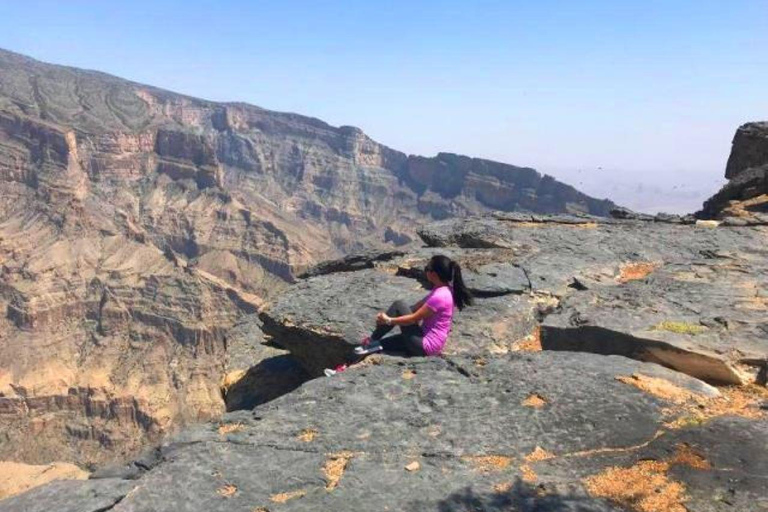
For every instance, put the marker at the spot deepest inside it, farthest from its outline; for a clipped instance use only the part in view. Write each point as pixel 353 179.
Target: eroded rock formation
pixel 744 199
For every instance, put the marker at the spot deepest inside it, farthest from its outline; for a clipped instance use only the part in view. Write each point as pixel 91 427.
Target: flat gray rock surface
pixel 420 434
pixel 690 297
pixel 706 318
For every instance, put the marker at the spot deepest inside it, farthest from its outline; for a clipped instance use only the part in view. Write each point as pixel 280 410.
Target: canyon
pixel 177 274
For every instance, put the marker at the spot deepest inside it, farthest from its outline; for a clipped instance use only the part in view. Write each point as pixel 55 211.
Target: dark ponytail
pixel 449 272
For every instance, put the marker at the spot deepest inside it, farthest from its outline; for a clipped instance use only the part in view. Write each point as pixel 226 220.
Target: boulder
pixel 741 201
pixel 351 262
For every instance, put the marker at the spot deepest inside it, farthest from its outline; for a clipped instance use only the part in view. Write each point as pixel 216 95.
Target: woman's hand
pixel 383 319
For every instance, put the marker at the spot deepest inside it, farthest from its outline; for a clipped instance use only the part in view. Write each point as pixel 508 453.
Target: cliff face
pixel 137 226
pixel 744 199
pixel 750 149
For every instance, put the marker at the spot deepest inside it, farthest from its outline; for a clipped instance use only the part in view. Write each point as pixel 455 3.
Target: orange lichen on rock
pixel 372 360
pixel 503 487
pixel 334 468
pixel 660 388
pixel 536 401
pixel 408 374
pixel 413 466
pixel 644 487
pixel 228 428
pixel 685 455
pixel 741 401
pixel 488 463
pixel 227 491
pixel 529 475
pixel 531 343
pixel 694 409
pixel 539 454
pixel 307 435
pixel 636 270
pixel 287 496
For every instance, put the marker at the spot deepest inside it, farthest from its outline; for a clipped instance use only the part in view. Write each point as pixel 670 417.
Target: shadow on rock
pixel 520 497
pixel 270 379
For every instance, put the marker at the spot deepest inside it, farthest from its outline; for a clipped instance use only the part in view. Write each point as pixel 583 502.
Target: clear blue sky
pixel 649 91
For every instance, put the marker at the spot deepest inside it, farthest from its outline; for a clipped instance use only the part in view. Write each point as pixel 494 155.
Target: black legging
pixel 410 338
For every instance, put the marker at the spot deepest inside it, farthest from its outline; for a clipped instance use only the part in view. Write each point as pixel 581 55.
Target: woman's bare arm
pixel 415 317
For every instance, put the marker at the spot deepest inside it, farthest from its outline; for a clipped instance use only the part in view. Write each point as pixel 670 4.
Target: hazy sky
pixel 635 100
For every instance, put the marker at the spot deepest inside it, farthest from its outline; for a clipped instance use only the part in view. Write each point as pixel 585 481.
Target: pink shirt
pixel 437 327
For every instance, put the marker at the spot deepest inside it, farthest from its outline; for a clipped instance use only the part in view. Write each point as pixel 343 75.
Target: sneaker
pixel 331 372
pixel 364 350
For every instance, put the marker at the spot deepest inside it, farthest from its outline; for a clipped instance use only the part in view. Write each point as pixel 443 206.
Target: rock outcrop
pixel 750 149
pixel 744 199
pixel 689 297
pixel 138 226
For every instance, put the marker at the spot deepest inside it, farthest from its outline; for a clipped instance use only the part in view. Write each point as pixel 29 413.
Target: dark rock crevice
pixel 269 379
pixel 604 341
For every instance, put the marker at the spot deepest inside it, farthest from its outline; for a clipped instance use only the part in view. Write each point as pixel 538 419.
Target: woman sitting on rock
pixel 424 327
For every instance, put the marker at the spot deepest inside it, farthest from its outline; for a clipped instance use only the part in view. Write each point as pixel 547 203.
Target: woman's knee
pixel 400 307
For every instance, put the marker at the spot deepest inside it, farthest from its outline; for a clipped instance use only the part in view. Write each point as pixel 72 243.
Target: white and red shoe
pixel 330 372
pixel 368 348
